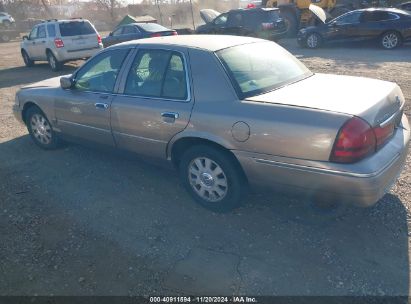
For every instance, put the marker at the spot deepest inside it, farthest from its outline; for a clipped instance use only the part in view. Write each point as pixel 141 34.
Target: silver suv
pixel 59 41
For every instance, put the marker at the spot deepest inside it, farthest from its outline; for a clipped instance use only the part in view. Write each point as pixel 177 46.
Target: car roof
pixel 382 9
pixel 210 43
pixel 267 9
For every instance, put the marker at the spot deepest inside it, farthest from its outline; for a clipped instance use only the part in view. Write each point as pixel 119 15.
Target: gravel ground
pixel 86 221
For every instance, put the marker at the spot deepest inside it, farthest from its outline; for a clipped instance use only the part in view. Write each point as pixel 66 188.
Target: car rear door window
pixel 157 73
pixel 41 32
pixel 76 28
pixel 51 30
pixel 100 74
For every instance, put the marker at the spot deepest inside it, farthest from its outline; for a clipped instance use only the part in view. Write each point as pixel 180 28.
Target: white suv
pixel 6 19
pixel 59 41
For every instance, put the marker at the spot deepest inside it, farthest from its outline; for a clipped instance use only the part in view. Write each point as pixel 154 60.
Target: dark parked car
pixel 388 26
pixel 134 31
pixel 256 22
pixel 405 6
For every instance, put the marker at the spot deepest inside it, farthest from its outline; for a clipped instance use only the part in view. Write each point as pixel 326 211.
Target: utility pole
pixel 192 14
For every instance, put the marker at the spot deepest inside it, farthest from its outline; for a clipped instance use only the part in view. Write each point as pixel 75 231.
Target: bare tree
pixel 110 6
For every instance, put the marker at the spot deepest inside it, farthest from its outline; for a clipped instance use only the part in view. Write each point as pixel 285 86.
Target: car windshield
pixel 153 27
pixel 257 68
pixel 75 28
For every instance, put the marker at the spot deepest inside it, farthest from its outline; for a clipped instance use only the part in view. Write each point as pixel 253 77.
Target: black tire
pixel 291 22
pixel 26 58
pixel 4 37
pixel 231 175
pixel 390 40
pixel 313 41
pixel 54 64
pixel 35 118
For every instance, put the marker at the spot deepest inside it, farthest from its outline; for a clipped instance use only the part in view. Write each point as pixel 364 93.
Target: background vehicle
pixel 7 34
pixel 254 22
pixel 297 14
pixel 136 31
pixel 59 41
pixel 389 27
pixel 6 20
pixel 405 6
pixel 266 121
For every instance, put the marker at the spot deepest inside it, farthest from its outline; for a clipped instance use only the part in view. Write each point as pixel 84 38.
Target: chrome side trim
pixel 322 170
pixel 140 137
pixel 83 126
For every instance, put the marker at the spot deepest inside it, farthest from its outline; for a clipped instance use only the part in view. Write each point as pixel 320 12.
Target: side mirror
pixel 66 83
pixel 25 37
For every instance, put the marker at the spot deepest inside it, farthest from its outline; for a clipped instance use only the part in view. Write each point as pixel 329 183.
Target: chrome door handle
pixel 100 105
pixel 170 115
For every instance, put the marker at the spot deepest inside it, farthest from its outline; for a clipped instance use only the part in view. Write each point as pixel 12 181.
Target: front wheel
pixel 40 129
pixel 313 41
pixel 26 58
pixel 390 40
pixel 53 62
pixel 213 178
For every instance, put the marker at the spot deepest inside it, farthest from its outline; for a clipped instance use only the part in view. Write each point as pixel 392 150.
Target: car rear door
pixel 84 110
pixel 78 35
pixel 155 101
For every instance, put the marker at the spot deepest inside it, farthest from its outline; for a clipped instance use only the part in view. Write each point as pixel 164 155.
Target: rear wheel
pixel 53 62
pixel 212 178
pixel 390 40
pixel 26 58
pixel 5 37
pixel 40 129
pixel 291 22
pixel 313 41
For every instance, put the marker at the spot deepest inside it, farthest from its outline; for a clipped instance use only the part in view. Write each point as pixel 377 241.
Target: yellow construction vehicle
pixel 297 14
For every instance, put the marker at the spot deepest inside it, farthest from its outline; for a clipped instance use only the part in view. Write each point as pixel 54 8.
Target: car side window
pixel 51 30
pixel 33 33
pixel 236 19
pixel 41 32
pixel 118 31
pixel 221 20
pixel 349 18
pixel 100 74
pixel 157 73
pixel 129 30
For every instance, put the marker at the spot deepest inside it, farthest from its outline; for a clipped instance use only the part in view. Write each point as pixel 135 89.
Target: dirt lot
pixel 85 221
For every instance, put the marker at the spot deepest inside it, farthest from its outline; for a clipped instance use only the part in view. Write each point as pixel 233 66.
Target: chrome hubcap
pixel 207 179
pixel 390 41
pixel 312 41
pixel 41 129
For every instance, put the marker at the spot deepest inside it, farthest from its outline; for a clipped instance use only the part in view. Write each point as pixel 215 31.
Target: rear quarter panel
pixel 263 128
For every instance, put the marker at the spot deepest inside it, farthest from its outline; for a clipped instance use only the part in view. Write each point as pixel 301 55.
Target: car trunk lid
pixel 376 101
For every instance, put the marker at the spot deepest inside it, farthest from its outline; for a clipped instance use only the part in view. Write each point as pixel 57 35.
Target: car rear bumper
pixel 361 184
pixel 66 55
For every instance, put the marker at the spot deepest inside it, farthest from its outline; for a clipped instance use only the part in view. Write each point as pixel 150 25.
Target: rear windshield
pixel 153 27
pixel 75 28
pixel 257 68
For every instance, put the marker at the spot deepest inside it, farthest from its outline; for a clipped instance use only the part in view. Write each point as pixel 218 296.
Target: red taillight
pixel 355 140
pixel 250 5
pixel 98 39
pixel 58 43
pixel 155 35
pixel 175 33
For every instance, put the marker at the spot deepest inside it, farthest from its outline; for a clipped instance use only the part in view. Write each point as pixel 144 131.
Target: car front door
pixel 84 110
pixel 115 37
pixel 154 103
pixel 40 43
pixel 219 24
pixel 345 27
pixel 30 43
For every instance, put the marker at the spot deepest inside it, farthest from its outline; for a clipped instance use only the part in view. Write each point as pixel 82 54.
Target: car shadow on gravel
pixel 22 75
pixel 270 246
